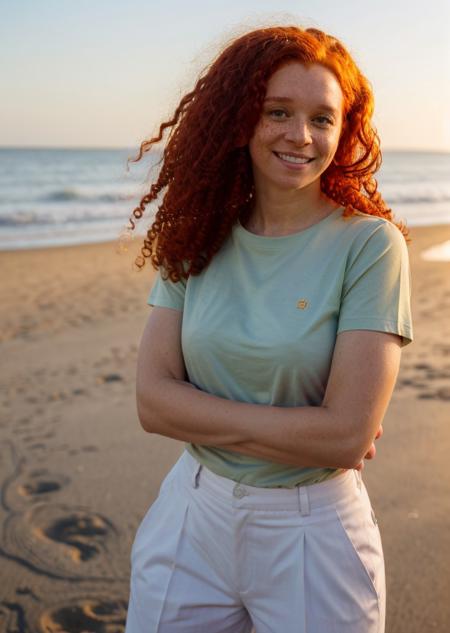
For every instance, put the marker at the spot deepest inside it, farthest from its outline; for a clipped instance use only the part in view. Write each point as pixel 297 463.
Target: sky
pixel 104 73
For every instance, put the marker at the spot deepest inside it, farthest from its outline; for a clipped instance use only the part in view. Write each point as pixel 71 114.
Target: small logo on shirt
pixel 302 304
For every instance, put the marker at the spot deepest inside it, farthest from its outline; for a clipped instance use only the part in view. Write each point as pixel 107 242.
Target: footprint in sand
pixel 91 615
pixel 34 486
pixel 429 382
pixel 440 394
pixel 62 541
pixel 13 618
pixel 59 540
pixel 109 378
pixel 82 533
pixel 85 614
pixel 39 487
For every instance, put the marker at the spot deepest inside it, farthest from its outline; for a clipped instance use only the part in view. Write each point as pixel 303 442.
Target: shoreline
pixel 140 234
pixel 93 239
pixel 77 472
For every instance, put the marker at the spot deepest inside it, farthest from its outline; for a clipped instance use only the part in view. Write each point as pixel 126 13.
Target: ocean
pixel 55 197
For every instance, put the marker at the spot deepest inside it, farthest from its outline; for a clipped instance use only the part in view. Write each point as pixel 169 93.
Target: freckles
pixel 265 127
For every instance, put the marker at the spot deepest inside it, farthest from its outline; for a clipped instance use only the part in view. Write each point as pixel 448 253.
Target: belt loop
pixel 195 475
pixel 303 501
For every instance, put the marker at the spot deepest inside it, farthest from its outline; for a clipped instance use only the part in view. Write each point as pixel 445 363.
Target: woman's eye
pixel 324 120
pixel 277 114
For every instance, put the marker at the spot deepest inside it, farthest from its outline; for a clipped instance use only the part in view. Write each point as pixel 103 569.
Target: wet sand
pixel 77 472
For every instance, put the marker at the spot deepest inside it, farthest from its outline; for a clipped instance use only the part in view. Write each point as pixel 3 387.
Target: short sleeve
pixel 167 294
pixel 376 292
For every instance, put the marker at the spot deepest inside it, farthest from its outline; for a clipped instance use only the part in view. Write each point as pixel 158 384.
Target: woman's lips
pixel 293 159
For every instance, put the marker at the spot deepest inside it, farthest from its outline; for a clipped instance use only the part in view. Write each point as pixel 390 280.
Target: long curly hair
pixel 205 183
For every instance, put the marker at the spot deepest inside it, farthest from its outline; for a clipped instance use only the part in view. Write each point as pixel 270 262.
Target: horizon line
pixel 131 148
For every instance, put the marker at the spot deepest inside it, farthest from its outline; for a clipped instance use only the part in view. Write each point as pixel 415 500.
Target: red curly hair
pixel 206 179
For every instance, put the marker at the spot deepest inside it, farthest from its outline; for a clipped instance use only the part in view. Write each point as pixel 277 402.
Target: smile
pixel 296 160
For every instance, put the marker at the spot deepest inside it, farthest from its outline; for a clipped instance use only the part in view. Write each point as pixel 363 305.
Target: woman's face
pixel 298 132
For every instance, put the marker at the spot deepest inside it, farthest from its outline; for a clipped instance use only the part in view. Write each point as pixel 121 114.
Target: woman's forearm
pixel 303 436
pixel 290 456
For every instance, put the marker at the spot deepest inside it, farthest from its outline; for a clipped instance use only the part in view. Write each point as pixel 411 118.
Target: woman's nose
pixel 298 132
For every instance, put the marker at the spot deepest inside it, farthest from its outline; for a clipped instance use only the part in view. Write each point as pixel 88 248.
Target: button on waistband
pixel 239 491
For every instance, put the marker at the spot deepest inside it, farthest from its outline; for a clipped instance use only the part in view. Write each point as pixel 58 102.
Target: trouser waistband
pixel 301 498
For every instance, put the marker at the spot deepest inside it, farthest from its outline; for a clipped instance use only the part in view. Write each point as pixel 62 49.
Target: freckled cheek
pixel 266 132
pixel 261 143
pixel 329 145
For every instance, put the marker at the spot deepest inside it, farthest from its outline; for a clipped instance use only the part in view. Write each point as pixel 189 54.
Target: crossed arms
pixel 337 434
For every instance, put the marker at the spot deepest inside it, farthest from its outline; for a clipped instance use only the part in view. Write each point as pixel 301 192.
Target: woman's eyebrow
pixel 281 99
pixel 320 106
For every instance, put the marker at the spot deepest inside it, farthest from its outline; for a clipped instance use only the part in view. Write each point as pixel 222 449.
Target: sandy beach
pixel 77 472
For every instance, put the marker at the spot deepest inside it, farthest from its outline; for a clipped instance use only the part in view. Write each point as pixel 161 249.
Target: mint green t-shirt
pixel 260 322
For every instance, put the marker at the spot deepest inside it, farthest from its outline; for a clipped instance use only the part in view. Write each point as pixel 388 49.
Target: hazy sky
pixel 103 72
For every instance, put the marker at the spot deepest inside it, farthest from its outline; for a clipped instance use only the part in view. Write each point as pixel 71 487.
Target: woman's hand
pixel 372 450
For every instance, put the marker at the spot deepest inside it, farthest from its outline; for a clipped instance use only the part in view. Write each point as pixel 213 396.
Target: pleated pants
pixel 215 556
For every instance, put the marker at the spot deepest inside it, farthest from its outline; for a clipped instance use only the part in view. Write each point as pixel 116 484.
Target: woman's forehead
pixel 296 81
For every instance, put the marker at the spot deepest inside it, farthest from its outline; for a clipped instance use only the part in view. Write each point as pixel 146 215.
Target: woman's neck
pixel 277 215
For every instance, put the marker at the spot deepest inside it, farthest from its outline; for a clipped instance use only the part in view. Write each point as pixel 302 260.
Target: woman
pixel 273 347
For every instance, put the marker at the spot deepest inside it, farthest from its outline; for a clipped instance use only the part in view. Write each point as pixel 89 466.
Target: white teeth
pixel 294 159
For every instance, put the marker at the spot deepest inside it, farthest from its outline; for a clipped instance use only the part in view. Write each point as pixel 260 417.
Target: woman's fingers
pixel 379 432
pixel 372 450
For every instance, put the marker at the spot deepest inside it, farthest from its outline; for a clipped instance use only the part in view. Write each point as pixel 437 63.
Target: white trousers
pixel 213 556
